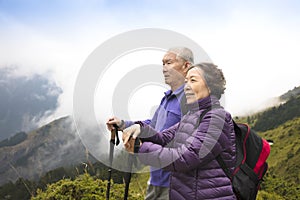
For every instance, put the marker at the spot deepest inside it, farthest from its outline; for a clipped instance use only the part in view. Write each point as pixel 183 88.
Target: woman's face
pixel 195 86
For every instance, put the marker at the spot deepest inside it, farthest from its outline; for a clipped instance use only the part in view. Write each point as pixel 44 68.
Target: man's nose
pixel 165 69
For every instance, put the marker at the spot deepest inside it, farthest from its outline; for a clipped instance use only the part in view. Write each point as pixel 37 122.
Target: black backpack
pixel 251 166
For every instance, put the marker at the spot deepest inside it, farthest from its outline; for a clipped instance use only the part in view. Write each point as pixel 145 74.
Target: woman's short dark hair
pixel 214 78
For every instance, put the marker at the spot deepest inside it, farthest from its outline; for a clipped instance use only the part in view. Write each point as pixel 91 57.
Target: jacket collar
pixel 176 92
pixel 204 103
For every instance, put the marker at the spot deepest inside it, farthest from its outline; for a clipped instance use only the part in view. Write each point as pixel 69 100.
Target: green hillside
pixel 276 116
pixel 273 116
pixel 283 177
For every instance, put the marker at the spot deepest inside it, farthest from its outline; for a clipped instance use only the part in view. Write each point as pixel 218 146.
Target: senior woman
pixel 189 148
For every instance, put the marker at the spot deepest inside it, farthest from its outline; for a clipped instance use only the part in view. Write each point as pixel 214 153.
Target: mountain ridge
pixel 25 100
pixel 53 145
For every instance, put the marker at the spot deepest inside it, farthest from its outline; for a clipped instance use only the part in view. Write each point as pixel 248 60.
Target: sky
pixel 255 43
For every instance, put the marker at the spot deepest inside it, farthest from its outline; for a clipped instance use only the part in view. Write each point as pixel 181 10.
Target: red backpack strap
pixel 262 157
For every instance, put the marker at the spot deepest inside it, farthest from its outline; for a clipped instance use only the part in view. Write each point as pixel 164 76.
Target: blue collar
pixel 176 92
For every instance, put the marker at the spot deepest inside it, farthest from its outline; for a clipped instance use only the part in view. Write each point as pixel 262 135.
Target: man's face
pixel 173 69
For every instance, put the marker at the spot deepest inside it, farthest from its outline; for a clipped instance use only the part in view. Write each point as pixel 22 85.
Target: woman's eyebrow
pixel 193 76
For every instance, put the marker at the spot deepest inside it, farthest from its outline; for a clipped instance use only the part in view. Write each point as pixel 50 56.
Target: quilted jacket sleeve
pixel 148 134
pixel 200 146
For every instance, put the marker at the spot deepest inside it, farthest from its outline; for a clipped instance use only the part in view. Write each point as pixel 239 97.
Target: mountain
pixel 291 93
pixel 272 117
pixel 51 146
pixel 24 100
pixel 14 140
pixel 277 115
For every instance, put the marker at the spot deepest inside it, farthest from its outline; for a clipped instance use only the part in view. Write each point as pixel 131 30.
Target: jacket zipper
pixel 196 185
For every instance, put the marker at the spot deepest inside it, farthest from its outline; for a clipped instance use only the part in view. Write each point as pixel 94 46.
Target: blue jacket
pixel 168 113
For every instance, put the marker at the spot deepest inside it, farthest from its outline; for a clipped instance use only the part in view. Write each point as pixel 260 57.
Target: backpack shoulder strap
pixel 204 113
pixel 223 166
pixel 218 158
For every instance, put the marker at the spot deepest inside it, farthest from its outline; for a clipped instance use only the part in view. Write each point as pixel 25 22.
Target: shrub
pixel 83 187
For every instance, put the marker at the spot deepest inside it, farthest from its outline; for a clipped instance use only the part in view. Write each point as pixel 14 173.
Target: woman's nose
pixel 186 87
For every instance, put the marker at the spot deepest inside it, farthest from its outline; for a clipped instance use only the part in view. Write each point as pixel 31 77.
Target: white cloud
pixel 256 50
pixel 258 57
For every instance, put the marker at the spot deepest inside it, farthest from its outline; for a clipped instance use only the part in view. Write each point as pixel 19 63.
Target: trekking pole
pixel 131 160
pixel 112 143
pixel 127 176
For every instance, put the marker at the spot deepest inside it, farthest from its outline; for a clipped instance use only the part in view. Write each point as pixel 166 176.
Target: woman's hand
pixel 129 137
pixel 114 120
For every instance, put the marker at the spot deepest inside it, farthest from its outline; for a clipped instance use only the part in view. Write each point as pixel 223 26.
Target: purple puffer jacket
pixel 189 152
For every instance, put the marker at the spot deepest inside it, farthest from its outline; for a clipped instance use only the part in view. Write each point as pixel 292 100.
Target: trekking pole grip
pixel 115 134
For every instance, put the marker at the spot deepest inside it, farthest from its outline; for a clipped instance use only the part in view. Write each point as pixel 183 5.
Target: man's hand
pixel 129 136
pixel 114 120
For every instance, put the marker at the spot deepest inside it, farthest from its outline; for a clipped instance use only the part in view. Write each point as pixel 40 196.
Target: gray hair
pixel 214 78
pixel 184 53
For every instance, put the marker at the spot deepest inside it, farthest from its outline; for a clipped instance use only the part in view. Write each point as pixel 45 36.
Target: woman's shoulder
pixel 217 112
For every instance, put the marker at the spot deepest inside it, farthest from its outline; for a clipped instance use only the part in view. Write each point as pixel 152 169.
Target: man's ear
pixel 186 66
